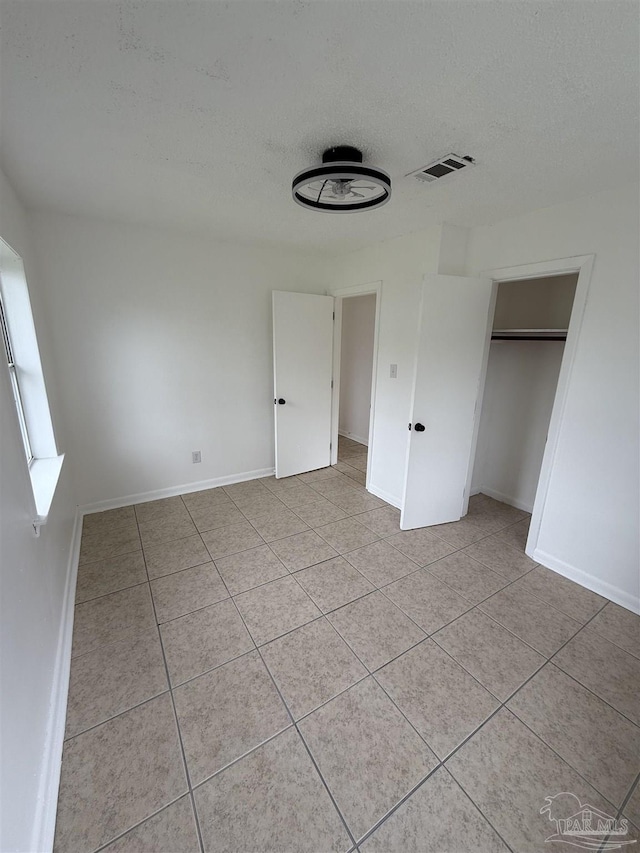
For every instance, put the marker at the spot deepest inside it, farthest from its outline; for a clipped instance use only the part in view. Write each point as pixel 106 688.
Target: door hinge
pixel 332 383
pixel 334 315
pixel 330 445
pixel 409 424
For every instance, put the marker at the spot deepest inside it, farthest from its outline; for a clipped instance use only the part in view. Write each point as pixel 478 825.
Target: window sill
pixel 44 474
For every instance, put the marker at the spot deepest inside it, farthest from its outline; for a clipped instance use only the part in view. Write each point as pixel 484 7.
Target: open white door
pixel 302 366
pixel 453 329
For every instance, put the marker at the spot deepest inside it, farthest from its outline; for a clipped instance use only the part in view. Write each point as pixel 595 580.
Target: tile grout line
pixel 440 762
pixel 503 704
pixel 629 794
pixel 140 823
pixel 177 724
pixel 335 805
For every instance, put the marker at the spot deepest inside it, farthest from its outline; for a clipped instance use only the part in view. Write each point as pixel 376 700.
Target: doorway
pixel 531 344
pixel 355 348
pixel 525 355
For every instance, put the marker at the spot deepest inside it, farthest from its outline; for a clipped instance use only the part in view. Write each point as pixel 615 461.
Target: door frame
pixel 339 294
pixel 583 266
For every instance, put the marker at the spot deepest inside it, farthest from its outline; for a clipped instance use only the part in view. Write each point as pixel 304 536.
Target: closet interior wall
pixel 520 388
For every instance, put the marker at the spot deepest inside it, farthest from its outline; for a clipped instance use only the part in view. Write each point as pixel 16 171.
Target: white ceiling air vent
pixel 447 165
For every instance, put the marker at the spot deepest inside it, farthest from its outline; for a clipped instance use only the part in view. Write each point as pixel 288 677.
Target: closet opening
pixel 354 382
pixel 525 357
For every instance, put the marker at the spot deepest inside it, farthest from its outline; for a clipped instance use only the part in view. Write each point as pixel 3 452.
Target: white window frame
pixel 15 384
pixel 42 459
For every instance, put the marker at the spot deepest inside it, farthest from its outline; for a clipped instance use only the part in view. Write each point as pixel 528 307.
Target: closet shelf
pixel 529 335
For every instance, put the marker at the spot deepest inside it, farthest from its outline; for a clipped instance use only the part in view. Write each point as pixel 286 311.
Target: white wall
pixel 356 366
pixel 400 264
pixel 34 579
pixel 163 342
pixel 522 377
pixel 590 523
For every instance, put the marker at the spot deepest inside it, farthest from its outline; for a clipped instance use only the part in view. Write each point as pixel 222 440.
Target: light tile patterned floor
pixel 275 666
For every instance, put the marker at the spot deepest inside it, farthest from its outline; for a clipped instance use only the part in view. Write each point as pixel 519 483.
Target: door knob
pixel 419 427
pixel 281 401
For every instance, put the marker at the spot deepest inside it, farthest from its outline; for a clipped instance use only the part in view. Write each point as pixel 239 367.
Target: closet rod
pixel 528 338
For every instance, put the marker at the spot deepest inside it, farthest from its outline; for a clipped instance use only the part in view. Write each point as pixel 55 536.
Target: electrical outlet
pixel 393 371
pixel 196 456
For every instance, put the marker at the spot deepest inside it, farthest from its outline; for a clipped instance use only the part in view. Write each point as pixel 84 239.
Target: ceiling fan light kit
pixel 342 184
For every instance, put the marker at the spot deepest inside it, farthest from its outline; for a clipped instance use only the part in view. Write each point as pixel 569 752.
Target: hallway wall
pixel 356 366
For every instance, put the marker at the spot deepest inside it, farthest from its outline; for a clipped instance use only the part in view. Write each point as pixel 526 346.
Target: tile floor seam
pixel 400 803
pixel 348 551
pixel 233 553
pixel 455 591
pixel 457 662
pixel 479 810
pixel 178 729
pixel 395 657
pixel 332 798
pixel 613 642
pixel 382 591
pixel 196 609
pixel 176 571
pixel 584 686
pixel 327 788
pixel 493 619
pixel 504 705
pixel 102 594
pixel 543 600
pixel 140 823
pixel 244 755
pixel 579 773
pixel 340 606
pixel 109 556
pixel 310 754
pixel 629 794
pixel 589 690
pixel 115 716
pixel 278 538
pixel 455 551
pixel 214 668
pixel 327 701
pixel 530 677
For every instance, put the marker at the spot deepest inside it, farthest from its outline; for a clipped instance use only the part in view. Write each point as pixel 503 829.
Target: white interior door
pixel 302 366
pixel 452 337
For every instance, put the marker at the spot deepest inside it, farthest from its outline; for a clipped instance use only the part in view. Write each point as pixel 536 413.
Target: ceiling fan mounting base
pixel 342 154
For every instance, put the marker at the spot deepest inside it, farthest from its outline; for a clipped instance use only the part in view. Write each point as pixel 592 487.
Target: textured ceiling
pixel 196 115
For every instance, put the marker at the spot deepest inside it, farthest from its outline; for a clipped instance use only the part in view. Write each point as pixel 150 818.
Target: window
pixel 29 393
pixel 15 385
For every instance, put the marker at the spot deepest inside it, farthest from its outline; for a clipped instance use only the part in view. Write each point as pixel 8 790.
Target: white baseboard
pixel 385 496
pixel 506 499
pixel 172 491
pixel 45 819
pixel 353 437
pixel 607 590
